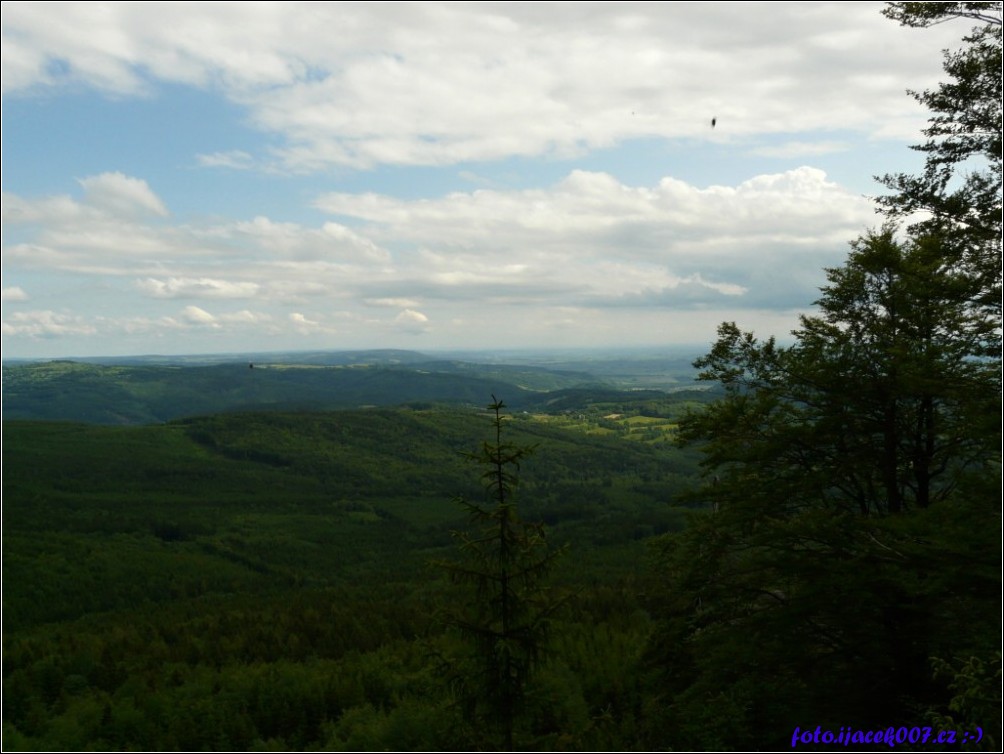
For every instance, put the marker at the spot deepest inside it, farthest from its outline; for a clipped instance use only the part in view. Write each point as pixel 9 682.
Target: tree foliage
pixel 844 470
pixel 255 582
pixel 848 568
pixel 506 617
pixel 876 407
pixel 958 195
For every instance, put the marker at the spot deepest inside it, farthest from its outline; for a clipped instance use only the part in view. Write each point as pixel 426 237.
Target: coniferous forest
pixel 802 551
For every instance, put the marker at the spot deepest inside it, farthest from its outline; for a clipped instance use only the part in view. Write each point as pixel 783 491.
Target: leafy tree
pixel 958 195
pixel 833 464
pixel 505 560
pixel 882 403
pixel 852 544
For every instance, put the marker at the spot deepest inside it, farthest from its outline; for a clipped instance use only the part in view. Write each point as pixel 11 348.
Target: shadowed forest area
pixel 809 547
pixel 266 580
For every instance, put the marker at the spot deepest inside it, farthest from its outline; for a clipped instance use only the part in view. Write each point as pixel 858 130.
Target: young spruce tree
pixel 503 561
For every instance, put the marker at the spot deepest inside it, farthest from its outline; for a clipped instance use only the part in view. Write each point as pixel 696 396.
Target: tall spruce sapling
pixel 503 561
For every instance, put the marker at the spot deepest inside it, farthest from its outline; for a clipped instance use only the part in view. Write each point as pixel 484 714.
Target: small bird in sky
pixel 714 121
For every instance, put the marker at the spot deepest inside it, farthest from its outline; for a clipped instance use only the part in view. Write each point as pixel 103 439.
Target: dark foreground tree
pixel 882 405
pixel 506 611
pixel 848 571
pixel 855 531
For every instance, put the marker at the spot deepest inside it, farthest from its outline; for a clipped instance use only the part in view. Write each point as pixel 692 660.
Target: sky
pixel 226 177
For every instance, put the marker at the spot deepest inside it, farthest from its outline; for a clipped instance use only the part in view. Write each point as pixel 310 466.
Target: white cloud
pixel 330 86
pixel 196 316
pixel 443 83
pixel 23 62
pixel 588 240
pixel 53 209
pixel 197 288
pixel 586 204
pixel 573 234
pixel 393 303
pixel 246 317
pixel 121 195
pixel 412 322
pixel 45 324
pixel 119 47
pixel 235 159
pixel 104 234
pixel 304 325
pixel 14 293
pixel 329 242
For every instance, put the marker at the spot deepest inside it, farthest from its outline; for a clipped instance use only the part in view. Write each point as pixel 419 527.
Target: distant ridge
pixel 152 389
pixel 330 358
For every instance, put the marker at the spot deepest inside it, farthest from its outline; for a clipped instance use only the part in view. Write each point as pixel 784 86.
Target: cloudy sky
pixel 222 177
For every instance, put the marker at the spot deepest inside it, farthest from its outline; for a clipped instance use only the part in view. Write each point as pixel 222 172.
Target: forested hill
pixel 265 581
pixel 142 393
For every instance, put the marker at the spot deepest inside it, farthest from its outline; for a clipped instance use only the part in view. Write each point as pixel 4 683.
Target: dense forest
pixel 805 555
pixel 267 580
